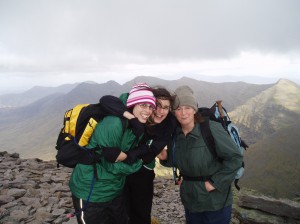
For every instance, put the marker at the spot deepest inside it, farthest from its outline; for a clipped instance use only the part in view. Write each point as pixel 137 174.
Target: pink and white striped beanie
pixel 141 93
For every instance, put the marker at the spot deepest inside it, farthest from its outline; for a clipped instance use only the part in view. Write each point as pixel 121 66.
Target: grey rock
pixel 19 215
pixel 282 207
pixel 34 202
pixel 3 212
pixel 58 212
pixel 15 155
pixel 4 199
pixel 16 193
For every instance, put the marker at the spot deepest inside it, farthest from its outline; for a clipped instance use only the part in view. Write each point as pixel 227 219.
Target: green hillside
pixel 272 164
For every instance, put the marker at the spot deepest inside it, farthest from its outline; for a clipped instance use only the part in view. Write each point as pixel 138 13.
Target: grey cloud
pixel 91 32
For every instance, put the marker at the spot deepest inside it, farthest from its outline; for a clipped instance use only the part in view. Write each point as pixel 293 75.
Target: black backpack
pixel 219 114
pixel 78 127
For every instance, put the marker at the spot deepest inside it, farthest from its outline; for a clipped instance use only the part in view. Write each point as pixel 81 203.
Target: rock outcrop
pixel 35 191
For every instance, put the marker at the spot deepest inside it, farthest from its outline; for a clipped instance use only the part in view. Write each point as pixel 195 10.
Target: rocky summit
pixel 36 192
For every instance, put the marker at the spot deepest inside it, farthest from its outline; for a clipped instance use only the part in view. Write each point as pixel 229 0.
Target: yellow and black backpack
pixel 78 127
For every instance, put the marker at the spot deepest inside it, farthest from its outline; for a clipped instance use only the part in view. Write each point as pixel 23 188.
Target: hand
pixel 137 127
pixel 209 187
pixel 163 155
pixel 148 157
pixel 128 115
pixel 179 182
pixel 133 155
pixel 110 153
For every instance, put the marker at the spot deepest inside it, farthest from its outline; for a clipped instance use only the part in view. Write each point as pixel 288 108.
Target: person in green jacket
pixel 205 190
pixel 99 200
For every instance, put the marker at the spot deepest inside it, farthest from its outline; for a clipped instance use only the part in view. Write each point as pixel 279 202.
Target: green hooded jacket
pixel 193 158
pixel 111 176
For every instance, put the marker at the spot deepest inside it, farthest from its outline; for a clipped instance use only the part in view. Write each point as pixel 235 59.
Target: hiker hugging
pixel 118 187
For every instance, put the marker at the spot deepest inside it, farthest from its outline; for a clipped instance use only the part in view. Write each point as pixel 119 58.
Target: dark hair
pixel 163 94
pixel 160 93
pixel 198 117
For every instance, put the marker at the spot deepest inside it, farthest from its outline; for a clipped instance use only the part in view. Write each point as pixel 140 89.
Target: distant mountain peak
pixel 112 82
pixel 287 82
pixel 89 82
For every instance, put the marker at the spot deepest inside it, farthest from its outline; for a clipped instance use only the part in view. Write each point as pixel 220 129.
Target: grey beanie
pixel 185 97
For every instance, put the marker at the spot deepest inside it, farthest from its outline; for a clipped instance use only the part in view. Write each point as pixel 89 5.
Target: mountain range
pixel 268 117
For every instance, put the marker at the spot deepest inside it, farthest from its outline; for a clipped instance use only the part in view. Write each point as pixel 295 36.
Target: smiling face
pixel 162 110
pixel 185 116
pixel 142 111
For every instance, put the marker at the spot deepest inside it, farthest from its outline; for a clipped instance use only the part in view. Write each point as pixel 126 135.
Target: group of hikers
pixel 163 125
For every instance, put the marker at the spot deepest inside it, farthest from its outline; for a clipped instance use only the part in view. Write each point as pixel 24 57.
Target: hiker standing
pixel 139 186
pixel 205 190
pixel 97 189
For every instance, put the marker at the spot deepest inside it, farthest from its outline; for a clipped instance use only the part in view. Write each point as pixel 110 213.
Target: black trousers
pixel 138 193
pixel 113 212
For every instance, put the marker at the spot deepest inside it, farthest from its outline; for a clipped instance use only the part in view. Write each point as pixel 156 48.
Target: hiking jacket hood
pixel 193 158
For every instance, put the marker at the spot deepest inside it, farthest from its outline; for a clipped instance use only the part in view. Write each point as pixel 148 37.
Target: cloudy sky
pixel 52 42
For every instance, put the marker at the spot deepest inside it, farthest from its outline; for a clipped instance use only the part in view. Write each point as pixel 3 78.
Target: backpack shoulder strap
pixel 208 137
pixel 176 177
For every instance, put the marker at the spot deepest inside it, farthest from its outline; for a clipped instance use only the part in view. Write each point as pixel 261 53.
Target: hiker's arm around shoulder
pixel 112 105
pixel 130 163
pixel 113 154
pixel 232 158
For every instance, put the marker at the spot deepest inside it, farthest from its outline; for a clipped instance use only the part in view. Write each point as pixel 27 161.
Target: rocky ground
pixel 36 192
pixel 167 207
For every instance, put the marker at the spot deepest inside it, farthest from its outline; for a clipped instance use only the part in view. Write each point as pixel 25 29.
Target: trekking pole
pixel 223 118
pixel 220 108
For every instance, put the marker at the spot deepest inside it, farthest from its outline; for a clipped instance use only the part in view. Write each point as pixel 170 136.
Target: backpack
pixel 219 114
pixel 78 127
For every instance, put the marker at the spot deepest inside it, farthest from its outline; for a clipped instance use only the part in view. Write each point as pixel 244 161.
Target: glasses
pixel 163 108
pixel 144 106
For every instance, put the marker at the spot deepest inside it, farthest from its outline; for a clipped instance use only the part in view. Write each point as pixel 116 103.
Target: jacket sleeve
pixel 168 162
pixel 112 105
pixel 232 158
pixel 109 133
pixel 122 168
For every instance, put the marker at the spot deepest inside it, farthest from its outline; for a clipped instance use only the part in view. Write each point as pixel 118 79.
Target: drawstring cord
pixel 86 202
